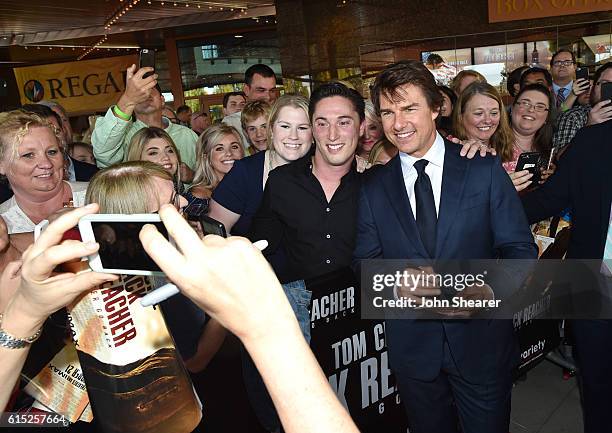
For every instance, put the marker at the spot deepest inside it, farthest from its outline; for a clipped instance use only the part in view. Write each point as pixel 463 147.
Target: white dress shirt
pixel 435 168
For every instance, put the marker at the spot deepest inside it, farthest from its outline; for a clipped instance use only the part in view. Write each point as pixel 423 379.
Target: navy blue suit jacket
pixel 480 217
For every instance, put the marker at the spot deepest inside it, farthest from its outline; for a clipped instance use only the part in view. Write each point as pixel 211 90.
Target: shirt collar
pixel 70 170
pixel 435 154
pixel 567 87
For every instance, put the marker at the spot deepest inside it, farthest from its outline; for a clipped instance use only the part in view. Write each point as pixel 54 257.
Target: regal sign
pixel 80 87
pixel 511 10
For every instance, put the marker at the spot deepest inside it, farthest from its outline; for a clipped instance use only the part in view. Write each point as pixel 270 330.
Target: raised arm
pixel 109 134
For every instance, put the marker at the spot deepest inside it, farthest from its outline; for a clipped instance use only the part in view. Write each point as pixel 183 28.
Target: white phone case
pixel 87 235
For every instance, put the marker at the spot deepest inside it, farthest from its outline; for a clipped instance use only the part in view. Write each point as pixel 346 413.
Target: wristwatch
pixel 10 342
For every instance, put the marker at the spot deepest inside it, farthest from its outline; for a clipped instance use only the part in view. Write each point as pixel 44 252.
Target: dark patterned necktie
pixel 560 96
pixel 426 217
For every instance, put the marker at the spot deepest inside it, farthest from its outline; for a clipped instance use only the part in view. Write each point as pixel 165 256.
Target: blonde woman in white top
pixel 32 160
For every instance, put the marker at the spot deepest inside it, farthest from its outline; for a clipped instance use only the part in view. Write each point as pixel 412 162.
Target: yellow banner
pixel 80 87
pixel 510 10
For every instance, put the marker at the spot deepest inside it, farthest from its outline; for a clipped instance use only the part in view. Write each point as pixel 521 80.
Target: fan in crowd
pixel 464 79
pixel 155 145
pixel 254 122
pixel 32 160
pixel 239 195
pixel 219 147
pixel 372 134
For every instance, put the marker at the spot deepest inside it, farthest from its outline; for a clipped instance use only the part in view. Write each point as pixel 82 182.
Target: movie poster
pixel 353 354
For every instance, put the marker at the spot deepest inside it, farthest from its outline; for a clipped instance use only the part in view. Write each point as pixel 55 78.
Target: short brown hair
pixel 252 110
pixel 406 72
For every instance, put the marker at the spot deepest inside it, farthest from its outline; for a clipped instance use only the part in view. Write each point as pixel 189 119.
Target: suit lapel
pixel 453 181
pixel 395 188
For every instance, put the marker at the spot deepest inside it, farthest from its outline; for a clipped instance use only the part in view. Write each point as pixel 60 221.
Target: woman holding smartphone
pixel 532 127
pixel 246 297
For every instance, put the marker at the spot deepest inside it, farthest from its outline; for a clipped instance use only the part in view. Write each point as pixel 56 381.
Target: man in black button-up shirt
pixel 309 208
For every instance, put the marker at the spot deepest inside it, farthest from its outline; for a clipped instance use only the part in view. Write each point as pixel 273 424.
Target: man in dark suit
pixel 583 182
pixel 430 203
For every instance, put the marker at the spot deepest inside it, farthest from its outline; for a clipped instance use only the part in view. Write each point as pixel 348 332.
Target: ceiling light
pixel 238 36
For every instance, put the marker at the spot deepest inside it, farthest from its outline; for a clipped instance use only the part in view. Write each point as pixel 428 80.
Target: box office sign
pixel 511 10
pixel 80 87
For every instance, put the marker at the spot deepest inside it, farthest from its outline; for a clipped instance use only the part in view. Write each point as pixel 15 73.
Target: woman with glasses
pixel 532 127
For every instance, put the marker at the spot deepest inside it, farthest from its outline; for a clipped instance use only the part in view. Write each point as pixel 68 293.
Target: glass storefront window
pixel 495 55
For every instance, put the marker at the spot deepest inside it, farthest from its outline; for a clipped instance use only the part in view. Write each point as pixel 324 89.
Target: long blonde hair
pixel 140 140
pixel 287 100
pixel 205 176
pixel 502 138
pixel 125 188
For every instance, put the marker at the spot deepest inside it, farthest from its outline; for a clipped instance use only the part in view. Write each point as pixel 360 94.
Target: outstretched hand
pixel 206 271
pixel 40 291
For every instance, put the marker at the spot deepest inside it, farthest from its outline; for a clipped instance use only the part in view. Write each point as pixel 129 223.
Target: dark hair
pixel 182 109
pixel 434 59
pixel 536 70
pixel 259 69
pixel 406 72
pixel 542 141
pixel 448 92
pixel 42 111
pixel 328 90
pixel 600 71
pixel 515 78
pixel 229 95
pixel 562 50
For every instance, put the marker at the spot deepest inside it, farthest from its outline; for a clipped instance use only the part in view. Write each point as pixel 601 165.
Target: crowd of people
pixel 419 170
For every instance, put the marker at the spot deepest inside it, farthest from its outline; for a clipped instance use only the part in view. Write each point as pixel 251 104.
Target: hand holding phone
pixel 606 92
pixel 582 73
pixel 530 161
pixel 146 60
pixel 602 111
pixel 120 249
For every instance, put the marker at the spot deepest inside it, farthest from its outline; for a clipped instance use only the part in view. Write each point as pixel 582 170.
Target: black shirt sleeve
pixel 267 223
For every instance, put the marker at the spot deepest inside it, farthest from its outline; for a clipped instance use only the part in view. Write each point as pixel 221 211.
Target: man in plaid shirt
pixel 592 113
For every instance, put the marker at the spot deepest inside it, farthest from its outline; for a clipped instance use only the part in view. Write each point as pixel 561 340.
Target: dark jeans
pixel 299 298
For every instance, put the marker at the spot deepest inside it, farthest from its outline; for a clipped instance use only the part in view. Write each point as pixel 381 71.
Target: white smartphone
pixel 120 249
